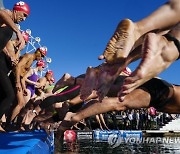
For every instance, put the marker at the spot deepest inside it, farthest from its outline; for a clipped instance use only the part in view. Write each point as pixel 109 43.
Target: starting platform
pixel 33 142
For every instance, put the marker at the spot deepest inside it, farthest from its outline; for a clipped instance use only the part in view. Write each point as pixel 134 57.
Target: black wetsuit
pixel 159 91
pixel 5 35
pixel 67 94
pixel 7 94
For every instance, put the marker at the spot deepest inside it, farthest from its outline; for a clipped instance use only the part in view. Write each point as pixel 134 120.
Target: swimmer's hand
pixel 18 86
pixel 21 41
pixel 14 61
pixel 25 92
pixel 38 85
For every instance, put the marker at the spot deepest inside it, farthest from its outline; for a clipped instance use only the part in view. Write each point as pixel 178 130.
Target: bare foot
pixel 66 80
pixel 89 83
pixel 106 78
pixel 156 58
pixel 122 42
pixel 29 117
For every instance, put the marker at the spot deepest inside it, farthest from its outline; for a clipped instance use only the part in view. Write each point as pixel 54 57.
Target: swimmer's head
pixel 49 75
pixel 41 64
pixel 22 6
pixel 21 11
pixel 15 40
pixel 42 50
pixel 40 53
pixel 50 72
pixel 25 36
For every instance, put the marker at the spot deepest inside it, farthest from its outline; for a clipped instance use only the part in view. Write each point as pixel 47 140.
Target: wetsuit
pixel 159 91
pixel 7 92
pixel 67 94
pixel 5 35
pixel 31 87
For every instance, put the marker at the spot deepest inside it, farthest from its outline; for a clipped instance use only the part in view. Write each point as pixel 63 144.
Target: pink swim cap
pixel 40 63
pixel 25 36
pixel 22 6
pixel 50 72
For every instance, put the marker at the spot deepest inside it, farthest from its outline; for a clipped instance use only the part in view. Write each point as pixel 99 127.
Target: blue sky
pixel 77 31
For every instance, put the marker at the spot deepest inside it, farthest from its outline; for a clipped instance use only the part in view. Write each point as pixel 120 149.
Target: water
pixel 92 147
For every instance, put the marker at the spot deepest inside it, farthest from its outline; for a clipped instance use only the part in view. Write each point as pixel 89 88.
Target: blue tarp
pixel 34 142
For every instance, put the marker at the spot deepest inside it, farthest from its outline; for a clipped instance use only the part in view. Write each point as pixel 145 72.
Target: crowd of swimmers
pixel 31 102
pixel 19 81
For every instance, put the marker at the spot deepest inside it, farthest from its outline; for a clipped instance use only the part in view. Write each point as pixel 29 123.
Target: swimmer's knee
pixel 75 119
pixel 120 106
pixel 112 105
pixel 68 116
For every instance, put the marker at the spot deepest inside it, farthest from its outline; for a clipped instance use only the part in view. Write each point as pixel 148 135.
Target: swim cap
pixel 49 72
pixel 25 36
pixel 42 50
pixel 40 63
pixel 127 71
pixel 22 6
